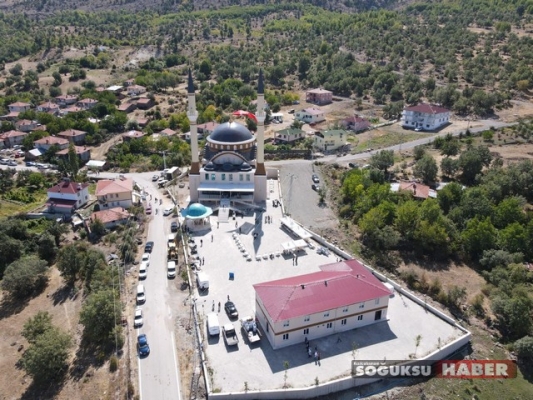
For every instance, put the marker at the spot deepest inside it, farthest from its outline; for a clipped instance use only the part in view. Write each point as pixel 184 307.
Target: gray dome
pixel 231 132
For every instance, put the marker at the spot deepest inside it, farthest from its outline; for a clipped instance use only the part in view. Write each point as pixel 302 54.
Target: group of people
pixel 310 351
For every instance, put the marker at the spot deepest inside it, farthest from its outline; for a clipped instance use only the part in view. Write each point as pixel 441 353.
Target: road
pixel 159 372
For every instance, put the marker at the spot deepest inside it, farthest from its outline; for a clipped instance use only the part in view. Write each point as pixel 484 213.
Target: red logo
pixel 476 369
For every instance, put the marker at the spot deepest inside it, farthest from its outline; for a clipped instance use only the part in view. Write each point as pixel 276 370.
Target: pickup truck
pixel 230 335
pixel 250 330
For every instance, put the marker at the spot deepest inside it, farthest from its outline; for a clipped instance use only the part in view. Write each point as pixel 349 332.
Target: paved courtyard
pixel 263 368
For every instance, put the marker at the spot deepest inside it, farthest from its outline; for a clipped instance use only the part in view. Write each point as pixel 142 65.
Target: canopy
pixel 196 211
pixel 242 113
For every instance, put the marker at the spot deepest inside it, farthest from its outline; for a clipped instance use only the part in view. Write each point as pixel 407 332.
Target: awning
pixel 295 228
pixel 95 164
pixel 220 187
pixel 61 202
pixel 35 152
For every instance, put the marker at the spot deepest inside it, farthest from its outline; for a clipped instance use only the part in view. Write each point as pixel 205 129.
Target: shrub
pixel 113 363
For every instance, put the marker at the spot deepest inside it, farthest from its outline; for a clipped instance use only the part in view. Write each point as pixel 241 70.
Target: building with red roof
pixel 340 297
pixel 319 96
pixel 12 138
pixel 67 196
pixel 425 117
pixel 74 135
pixel 48 141
pixel 112 217
pixel 114 193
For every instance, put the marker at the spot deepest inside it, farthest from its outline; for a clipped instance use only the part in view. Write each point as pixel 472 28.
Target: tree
pixel 47 249
pixel 450 148
pixel 205 68
pixel 57 79
pixel 36 326
pixel 449 167
pixel 419 152
pixel 426 169
pixel 513 313
pixel 508 211
pixel 407 217
pixel 71 166
pixel 46 360
pixel 99 316
pixel 69 262
pixel 472 162
pixel 11 250
pixel 479 235
pixel 97 227
pixel 524 349
pixel 25 276
pixel 382 160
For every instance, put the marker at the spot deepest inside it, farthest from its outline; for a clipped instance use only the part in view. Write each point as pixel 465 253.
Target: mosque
pixel 232 169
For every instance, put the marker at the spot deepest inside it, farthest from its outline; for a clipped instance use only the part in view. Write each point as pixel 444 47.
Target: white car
pixel 168 211
pixel 143 271
pixel 146 259
pixel 138 320
pixel 155 178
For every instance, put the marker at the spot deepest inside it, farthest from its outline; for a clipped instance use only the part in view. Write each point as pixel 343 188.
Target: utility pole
pixel 164 161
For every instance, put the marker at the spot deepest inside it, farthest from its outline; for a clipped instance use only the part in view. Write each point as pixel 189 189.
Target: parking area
pixel 230 274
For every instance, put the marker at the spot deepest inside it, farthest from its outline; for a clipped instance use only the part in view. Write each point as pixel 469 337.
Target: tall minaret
pixel 260 190
pixel 192 114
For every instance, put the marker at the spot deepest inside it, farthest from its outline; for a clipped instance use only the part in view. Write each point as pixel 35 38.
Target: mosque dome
pixel 196 210
pixel 230 132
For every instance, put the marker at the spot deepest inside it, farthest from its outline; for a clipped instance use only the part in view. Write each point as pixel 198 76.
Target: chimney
pixel 326 283
pixel 303 286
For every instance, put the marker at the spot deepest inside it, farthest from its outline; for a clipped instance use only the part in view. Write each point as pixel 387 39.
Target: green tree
pixel 524 349
pixel 472 162
pixel 11 250
pixel 513 238
pixel 426 169
pixel 205 68
pixel 25 276
pixel 57 79
pixel 99 316
pixel 407 218
pixel 449 167
pixel 97 227
pixel 36 326
pixel 46 360
pixel 382 160
pixel 450 196
pixel 450 148
pixel 479 235
pixel 508 211
pixel 419 152
pixel 47 249
pixel 70 261
pixel 513 313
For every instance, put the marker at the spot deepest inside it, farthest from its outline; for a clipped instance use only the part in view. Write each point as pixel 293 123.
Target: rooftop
pixel 427 109
pixel 111 215
pixel 106 187
pixel 68 187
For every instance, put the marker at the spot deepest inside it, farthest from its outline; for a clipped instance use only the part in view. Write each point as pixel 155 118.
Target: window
pixel 241 177
pixel 343 321
pixel 285 336
pixel 213 177
pixel 345 309
pixel 206 177
pixel 230 177
pixel 286 323
pixel 326 315
pixel 307 318
pixel 306 331
pixel 248 178
pixel 377 301
pixel 362 305
pixel 359 317
pixel 223 177
pixel 329 325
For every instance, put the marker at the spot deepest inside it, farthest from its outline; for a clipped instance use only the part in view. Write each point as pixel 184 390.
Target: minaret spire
pixel 192 114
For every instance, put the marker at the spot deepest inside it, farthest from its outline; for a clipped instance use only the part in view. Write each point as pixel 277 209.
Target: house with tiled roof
pixel 289 135
pixel 319 96
pixel 355 123
pixel 48 107
pixel 135 90
pixel 70 110
pixel 425 117
pixel 310 115
pixel 145 103
pixel 66 100
pixel 73 135
pixel 46 142
pixel 12 138
pixel 114 193
pixel 112 217
pixel 67 196
pixel 25 125
pixel 167 132
pixel 19 107
pixel 133 134
pixel 87 104
pixel 418 190
pixel 330 140
pixel 127 107
pixel 342 296
pixel 83 153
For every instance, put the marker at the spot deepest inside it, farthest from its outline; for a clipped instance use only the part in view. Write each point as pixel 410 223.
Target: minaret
pixel 192 114
pixel 260 192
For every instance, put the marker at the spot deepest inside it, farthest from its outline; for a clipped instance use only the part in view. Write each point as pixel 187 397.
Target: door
pixel 377 316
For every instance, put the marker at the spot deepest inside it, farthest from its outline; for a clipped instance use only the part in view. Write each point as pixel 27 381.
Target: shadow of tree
pixel 87 356
pixel 11 306
pixel 63 293
pixel 45 390
pixel 526 370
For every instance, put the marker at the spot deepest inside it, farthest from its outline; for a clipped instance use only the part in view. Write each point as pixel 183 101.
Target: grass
pixel 387 139
pixel 8 208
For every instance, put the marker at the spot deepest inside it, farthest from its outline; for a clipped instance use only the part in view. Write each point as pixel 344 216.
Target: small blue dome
pixel 196 210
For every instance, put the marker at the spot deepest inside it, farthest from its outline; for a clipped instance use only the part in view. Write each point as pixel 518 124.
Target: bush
pixel 524 348
pixel 25 276
pixel 113 363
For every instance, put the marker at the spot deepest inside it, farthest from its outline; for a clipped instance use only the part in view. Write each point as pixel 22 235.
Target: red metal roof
pixel 337 285
pixel 427 109
pixel 67 187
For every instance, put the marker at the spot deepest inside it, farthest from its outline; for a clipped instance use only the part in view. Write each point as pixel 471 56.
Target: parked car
pixel 231 310
pixel 4 161
pixel 146 258
pixel 148 247
pixel 291 111
pixel 138 319
pixel 12 163
pixel 30 164
pixel 168 211
pixel 148 209
pixel 315 178
pixel 155 178
pixel 315 187
pixel 174 226
pixel 142 345
pixel 143 270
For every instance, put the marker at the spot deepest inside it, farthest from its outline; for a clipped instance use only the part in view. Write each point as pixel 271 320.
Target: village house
pixel 114 193
pixel 87 104
pixel 83 153
pixel 12 138
pixel 48 107
pixel 129 82
pixel 425 117
pixel 135 90
pixel 142 122
pixel 310 115
pixel 25 125
pixel 341 297
pixel 67 196
pixel 19 107
pixel 319 96
pixel 73 135
pixel 66 100
pixel 289 135
pixel 167 132
pixel 71 109
pixel 133 134
pixel 418 190
pixel 145 103
pixel 45 143
pixel 330 140
pixel 127 107
pixel 112 217
pixel 355 124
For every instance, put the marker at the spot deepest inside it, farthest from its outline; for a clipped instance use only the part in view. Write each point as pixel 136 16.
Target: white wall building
pixel 330 140
pixel 310 115
pixel 425 117
pixel 341 297
pixel 67 196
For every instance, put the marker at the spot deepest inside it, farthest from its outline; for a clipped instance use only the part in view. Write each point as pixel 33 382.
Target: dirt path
pixel 98 153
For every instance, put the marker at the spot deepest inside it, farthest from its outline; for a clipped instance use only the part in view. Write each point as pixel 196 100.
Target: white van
pixel 213 326
pixel 171 269
pixel 143 271
pixel 202 279
pixel 141 294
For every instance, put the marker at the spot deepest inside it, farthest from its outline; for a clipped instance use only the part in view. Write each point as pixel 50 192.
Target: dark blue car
pixel 142 345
